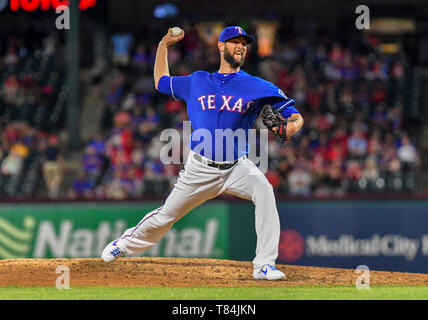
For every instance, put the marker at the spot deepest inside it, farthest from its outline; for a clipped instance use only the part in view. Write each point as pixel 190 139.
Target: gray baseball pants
pixel 198 183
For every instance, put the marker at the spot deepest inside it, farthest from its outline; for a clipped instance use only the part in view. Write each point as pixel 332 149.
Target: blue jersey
pixel 225 106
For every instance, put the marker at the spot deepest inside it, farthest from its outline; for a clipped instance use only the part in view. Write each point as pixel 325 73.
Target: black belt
pixel 221 166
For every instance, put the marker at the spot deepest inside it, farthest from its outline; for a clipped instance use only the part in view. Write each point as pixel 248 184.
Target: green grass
pixel 215 293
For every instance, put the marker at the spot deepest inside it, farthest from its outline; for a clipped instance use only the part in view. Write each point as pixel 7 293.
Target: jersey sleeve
pixel 177 87
pixel 268 93
pixel 286 108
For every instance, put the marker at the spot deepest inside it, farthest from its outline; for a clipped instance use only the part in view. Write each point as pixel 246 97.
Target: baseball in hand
pixel 176 31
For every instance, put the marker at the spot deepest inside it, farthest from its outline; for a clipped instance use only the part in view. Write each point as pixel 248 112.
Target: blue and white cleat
pixel 112 252
pixel 268 272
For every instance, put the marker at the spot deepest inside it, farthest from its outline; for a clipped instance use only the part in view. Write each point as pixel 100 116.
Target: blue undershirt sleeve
pixel 177 87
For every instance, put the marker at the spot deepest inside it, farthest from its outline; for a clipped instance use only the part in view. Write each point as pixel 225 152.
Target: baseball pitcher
pixel 228 100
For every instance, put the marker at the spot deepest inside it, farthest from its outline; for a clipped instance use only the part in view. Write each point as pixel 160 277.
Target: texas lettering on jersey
pixel 207 102
pixel 227 103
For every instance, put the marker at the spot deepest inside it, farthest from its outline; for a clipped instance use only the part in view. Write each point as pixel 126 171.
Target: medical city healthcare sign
pixel 389 235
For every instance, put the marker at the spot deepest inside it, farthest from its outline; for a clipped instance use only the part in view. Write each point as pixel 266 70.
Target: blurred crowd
pixel 354 138
pixel 31 106
pixel 350 95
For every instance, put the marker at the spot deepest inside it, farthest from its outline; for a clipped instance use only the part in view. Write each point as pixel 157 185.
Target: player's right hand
pixel 169 39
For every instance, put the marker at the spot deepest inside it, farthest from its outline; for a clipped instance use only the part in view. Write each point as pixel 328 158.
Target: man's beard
pixel 228 56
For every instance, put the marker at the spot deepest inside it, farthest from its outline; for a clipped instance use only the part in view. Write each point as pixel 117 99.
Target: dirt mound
pixel 178 272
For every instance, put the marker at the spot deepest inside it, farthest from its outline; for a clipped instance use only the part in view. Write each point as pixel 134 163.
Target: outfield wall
pixel 388 235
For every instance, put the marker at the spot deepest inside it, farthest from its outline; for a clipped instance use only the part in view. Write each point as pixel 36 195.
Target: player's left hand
pixel 274 121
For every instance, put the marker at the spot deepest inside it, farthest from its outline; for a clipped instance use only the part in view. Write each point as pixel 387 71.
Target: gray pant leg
pixel 195 185
pixel 248 182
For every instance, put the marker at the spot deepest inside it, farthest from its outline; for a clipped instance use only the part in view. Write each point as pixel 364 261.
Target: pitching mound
pixel 177 272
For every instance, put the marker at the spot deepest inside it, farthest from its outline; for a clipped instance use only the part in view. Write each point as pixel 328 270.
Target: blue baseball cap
pixel 234 31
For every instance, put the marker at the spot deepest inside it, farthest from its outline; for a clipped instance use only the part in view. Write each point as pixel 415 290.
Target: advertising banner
pixel 83 230
pixel 391 235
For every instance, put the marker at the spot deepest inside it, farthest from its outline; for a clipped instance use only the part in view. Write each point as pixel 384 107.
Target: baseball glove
pixel 273 119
